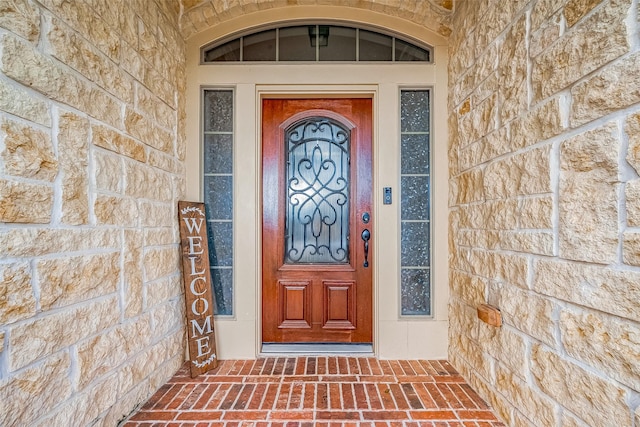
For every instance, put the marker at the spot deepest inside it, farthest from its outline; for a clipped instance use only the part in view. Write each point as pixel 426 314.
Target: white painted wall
pixel 394 337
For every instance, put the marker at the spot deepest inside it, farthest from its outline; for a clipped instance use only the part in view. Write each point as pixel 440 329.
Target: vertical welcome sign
pixel 197 287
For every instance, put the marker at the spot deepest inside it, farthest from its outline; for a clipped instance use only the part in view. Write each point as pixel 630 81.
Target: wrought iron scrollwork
pixel 317 221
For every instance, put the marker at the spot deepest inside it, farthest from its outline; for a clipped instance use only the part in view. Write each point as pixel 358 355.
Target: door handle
pixel 366 235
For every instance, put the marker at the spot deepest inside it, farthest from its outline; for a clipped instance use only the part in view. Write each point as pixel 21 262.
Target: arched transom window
pixel 316 43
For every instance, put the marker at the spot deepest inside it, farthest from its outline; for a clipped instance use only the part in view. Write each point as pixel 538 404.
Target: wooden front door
pixel 317 222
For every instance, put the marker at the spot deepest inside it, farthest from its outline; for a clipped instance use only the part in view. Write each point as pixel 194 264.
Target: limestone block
pixel 526 311
pixel 147 40
pixel 72 49
pixel 127 27
pixel 535 406
pixel 608 343
pixel 481 363
pixel 133 272
pixel 486 88
pixel 131 62
pixel 500 214
pixel 494 145
pixel 157 84
pixel 153 214
pixel 539 124
pixel 470 188
pixel 597 40
pixel 604 289
pixel 163 140
pixel 613 88
pixel 504 345
pixel 632 196
pixel 568 420
pixel 542 12
pixel 588 202
pixel 534 242
pixel 599 401
pixel 73 146
pixel 139 127
pixel 163 290
pixel 637 416
pixel 482 120
pixel 127 404
pixel 535 212
pixel 159 236
pixel 85 20
pixel 96 356
pixel 22 103
pixel 453 192
pixel 21 17
pixel 632 129
pixel 83 408
pixel 160 376
pixel 151 106
pixel 25 203
pixel 513 71
pixel 146 182
pixel 35 391
pixel 27 152
pixel 23 63
pixel 545 35
pixel 574 10
pixel 167 319
pixel 17 300
pixel 161 262
pixel 470 289
pixel 165 162
pixel 69 280
pixel 1 342
pixel 495 266
pixel 487 65
pixel 114 141
pixel 109 171
pixel 631 248
pixel 33 242
pixel 104 107
pixel 116 211
pixel 525 173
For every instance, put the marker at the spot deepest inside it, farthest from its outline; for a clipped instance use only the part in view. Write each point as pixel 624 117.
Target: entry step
pixel 365 349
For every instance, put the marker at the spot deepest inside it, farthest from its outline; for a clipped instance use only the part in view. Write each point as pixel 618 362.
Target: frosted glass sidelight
pixel 217 184
pixel 415 185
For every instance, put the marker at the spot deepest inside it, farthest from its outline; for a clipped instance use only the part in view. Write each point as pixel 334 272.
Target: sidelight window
pixel 217 149
pixel 415 211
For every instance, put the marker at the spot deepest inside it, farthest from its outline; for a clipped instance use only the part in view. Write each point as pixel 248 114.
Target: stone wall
pixel 198 15
pixel 91 168
pixel 544 119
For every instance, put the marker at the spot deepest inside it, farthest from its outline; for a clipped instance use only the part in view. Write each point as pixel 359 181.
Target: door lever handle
pixel 366 235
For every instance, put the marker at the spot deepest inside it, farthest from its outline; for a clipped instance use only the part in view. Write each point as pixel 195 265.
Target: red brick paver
pixel 317 391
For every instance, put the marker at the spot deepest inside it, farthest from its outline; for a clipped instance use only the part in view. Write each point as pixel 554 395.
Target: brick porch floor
pixel 318 391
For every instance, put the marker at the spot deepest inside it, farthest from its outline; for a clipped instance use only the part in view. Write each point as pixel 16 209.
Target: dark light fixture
pixel 319 33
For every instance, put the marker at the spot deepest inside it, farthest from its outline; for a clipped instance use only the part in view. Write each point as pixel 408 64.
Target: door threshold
pixel 319 349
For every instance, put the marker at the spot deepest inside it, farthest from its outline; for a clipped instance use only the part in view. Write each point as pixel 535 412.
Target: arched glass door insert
pixel 317 183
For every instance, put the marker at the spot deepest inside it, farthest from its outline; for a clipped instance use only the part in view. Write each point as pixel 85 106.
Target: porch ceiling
pixel 198 15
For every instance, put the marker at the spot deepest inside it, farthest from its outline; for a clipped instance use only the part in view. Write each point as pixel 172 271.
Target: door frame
pixel 307 92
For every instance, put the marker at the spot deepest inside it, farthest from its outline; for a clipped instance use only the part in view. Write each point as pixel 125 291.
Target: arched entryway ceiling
pixel 200 15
